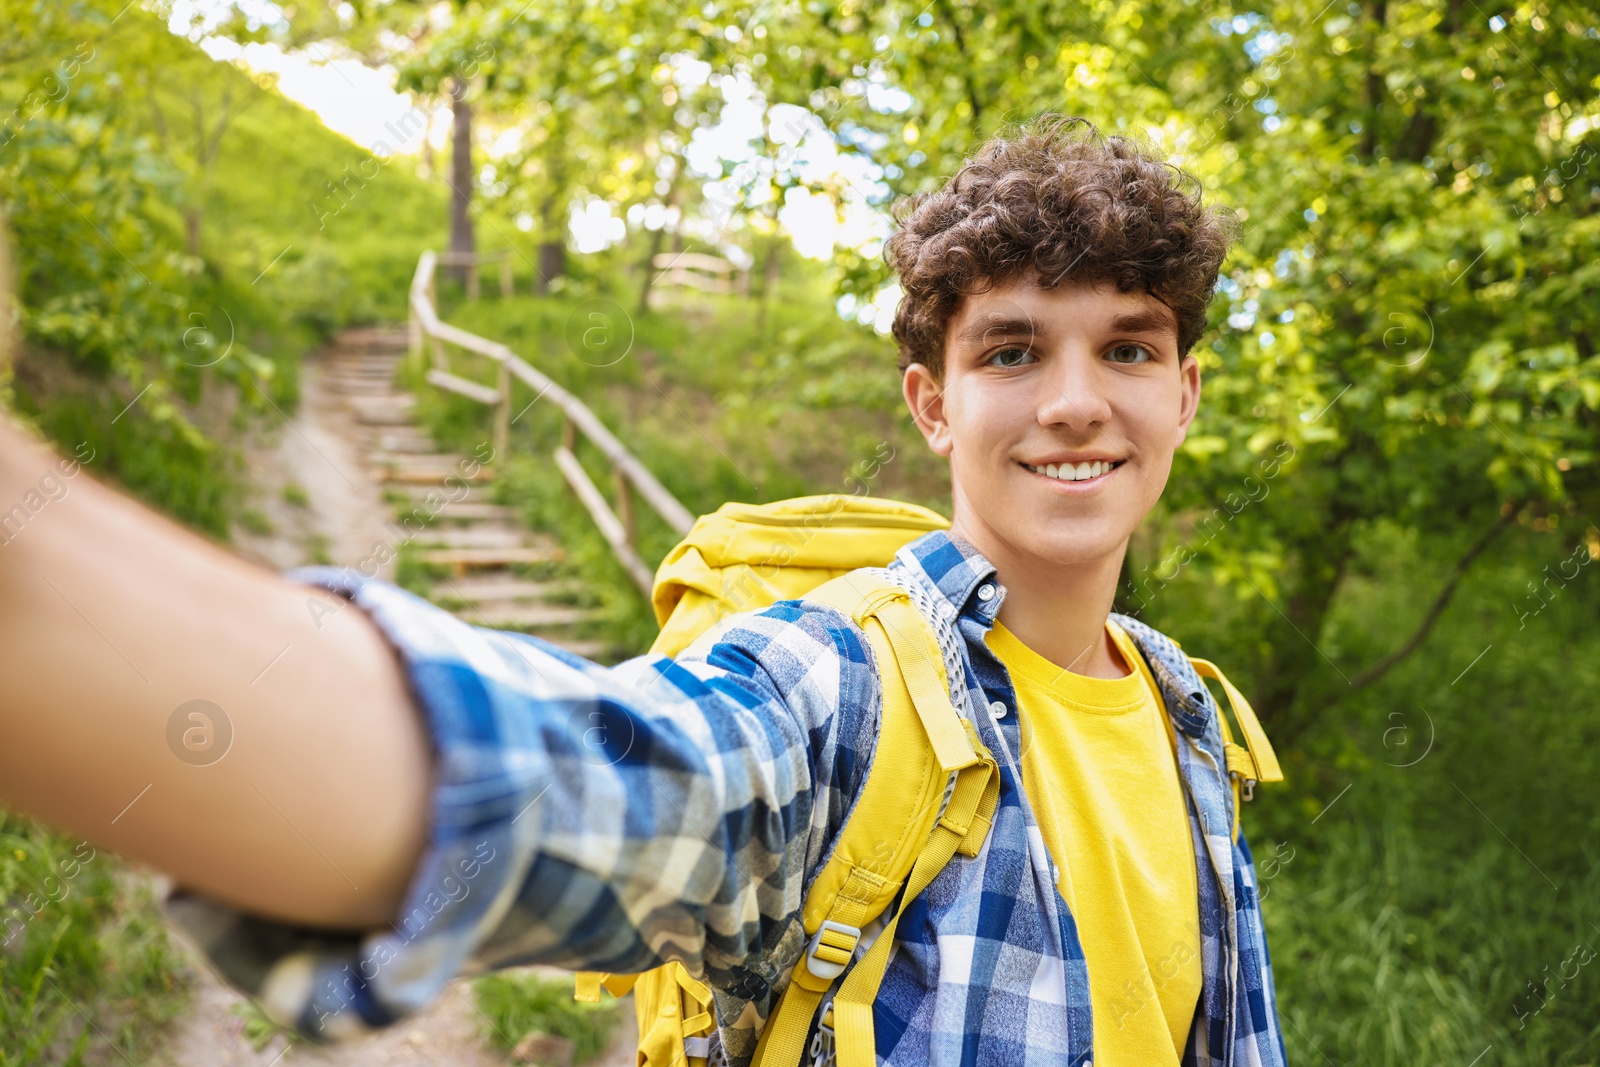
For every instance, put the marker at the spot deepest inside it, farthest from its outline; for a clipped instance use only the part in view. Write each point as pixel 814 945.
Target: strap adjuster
pixel 831 949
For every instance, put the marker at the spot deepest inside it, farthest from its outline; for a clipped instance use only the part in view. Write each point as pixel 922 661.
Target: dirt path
pixel 318 481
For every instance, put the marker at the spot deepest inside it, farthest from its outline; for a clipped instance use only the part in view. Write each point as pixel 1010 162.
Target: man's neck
pixel 1058 610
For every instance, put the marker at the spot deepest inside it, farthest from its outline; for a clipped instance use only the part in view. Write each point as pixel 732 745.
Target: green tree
pixel 1405 336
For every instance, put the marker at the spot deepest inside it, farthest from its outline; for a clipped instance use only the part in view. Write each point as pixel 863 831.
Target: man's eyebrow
pixel 999 326
pixel 1150 320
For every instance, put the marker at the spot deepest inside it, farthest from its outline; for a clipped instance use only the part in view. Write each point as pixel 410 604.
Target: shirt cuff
pixel 333 986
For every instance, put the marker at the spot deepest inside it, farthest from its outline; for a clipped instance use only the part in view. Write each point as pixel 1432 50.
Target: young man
pixel 408 796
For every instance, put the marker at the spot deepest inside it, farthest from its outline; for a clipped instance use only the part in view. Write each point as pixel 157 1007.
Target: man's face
pixel 1060 411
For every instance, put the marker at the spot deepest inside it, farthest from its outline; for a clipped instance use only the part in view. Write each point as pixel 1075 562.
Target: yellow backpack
pixel 901 830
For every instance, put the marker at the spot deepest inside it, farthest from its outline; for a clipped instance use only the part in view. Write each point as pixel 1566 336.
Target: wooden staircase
pixel 477 546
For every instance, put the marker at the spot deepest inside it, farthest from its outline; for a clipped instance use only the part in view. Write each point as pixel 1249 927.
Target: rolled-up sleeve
pixel 588 817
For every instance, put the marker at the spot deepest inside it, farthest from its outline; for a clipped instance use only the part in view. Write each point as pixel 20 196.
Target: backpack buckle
pixel 831 949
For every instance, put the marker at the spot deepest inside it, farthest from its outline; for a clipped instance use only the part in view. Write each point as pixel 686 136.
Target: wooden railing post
pixel 616 523
pixel 472 280
pixel 624 501
pixel 502 413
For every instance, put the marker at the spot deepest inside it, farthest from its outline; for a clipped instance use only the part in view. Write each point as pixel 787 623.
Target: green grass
pixel 86 969
pixel 515 1005
pixel 1407 919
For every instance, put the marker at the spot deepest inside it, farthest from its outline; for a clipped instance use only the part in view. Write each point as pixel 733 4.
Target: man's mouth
pixel 1076 472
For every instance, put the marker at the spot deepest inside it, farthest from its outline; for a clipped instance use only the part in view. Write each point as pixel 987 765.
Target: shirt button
pixel 999 709
pixel 986 592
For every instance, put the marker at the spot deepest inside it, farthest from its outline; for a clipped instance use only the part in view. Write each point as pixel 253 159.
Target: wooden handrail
pixel 630 474
pixel 470 261
pixel 696 270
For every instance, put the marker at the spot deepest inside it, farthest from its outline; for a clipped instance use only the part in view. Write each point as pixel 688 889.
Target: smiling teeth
pixel 1068 472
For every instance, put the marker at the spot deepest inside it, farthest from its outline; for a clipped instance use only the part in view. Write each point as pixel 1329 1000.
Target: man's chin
pixel 1073 551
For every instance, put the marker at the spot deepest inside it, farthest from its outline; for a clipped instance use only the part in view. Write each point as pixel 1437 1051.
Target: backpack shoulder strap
pixel 934 797
pixel 1252 762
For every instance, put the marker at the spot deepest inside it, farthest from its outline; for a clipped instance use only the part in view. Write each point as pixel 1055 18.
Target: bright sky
pixel 360 102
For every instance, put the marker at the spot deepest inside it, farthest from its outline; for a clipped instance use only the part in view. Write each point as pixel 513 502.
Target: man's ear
pixel 1189 403
pixel 925 397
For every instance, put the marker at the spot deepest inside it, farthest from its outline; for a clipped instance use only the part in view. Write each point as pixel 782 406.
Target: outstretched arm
pixel 111 618
pixel 605 818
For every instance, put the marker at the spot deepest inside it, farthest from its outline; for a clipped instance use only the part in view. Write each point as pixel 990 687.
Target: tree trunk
pixel 552 262
pixel 191 228
pixel 770 271
pixel 1316 571
pixel 552 219
pixel 460 174
pixel 652 250
pixel 1375 82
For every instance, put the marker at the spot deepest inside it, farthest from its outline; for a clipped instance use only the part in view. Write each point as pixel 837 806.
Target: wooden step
pixel 454 512
pixel 382 417
pixel 357 384
pixel 490 588
pixel 527 616
pixel 347 393
pixel 462 559
pixel 418 444
pixel 344 380
pixel 447 515
pixel 392 402
pixel 345 368
pixel 464 512
pixel 452 494
pixel 470 537
pixel 440 461
pixel 412 474
pixel 368 336
pixel 363 362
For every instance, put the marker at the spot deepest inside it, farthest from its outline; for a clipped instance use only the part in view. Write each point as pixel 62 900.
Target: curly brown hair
pixel 1060 198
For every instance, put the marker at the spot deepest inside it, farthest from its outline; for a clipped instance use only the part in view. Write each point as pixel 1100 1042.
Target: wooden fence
pixel 628 474
pixel 695 270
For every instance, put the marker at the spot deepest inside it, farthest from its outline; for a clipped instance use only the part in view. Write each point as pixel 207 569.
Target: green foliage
pixel 153 332
pixel 515 1005
pixel 161 268
pixel 1407 316
pixel 84 958
pixel 1432 851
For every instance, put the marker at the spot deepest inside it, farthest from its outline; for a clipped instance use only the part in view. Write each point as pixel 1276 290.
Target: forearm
pixel 113 618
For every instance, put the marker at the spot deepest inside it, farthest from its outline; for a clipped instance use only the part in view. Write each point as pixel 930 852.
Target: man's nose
pixel 1072 394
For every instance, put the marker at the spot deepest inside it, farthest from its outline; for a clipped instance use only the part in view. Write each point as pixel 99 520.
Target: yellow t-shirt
pixel 1100 770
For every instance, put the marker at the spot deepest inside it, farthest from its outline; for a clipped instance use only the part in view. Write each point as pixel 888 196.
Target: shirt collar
pixel 957 570
pixel 960 575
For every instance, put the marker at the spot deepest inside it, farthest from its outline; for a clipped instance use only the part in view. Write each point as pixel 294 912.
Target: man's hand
pixel 168 701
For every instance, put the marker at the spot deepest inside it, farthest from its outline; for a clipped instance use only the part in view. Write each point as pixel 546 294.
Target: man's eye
pixel 1009 357
pixel 1130 354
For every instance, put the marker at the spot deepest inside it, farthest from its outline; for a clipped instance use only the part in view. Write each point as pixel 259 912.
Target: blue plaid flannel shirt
pixel 615 819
